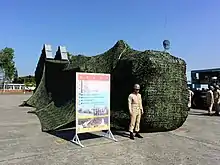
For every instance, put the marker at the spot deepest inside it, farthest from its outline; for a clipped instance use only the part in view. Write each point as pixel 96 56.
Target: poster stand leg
pixel 77 141
pixel 109 135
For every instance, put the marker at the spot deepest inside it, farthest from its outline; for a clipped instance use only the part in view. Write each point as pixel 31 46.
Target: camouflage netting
pixel 162 78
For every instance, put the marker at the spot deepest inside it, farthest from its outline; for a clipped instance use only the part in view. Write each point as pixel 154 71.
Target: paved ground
pixel 23 143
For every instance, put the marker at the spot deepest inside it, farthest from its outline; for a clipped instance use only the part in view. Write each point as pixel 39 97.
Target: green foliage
pixel 7 62
pixel 27 80
pixel 28 84
pixel 69 55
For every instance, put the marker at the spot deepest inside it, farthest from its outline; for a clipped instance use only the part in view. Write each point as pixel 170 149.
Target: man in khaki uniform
pixel 136 110
pixel 210 99
pixel 217 100
pixel 190 98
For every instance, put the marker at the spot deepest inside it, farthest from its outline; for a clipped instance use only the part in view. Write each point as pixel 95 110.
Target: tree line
pixel 9 70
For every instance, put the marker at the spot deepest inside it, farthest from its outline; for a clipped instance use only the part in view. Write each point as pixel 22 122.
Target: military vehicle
pixel 201 79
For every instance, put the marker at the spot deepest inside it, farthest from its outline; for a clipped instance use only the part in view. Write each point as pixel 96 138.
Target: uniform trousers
pixel 210 108
pixel 135 119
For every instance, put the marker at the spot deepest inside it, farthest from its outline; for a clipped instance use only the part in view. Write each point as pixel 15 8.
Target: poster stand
pixel 77 141
pixel 107 135
pixel 92 105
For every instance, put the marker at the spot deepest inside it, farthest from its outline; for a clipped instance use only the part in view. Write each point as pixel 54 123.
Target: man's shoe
pixel 138 135
pixel 131 136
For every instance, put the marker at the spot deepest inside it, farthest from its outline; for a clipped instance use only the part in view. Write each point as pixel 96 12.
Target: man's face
pixel 136 90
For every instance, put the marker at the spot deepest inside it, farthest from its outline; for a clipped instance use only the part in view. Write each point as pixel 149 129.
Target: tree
pixel 7 63
pixel 27 80
pixel 69 55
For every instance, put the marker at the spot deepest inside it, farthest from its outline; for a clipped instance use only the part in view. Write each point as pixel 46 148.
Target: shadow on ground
pixel 69 134
pixel 120 133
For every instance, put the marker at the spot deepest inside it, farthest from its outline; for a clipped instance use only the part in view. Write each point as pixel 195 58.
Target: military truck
pixel 199 79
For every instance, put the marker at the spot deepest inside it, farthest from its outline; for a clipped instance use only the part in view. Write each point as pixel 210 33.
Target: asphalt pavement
pixel 197 142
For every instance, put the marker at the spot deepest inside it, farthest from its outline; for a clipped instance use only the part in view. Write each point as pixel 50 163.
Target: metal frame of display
pixel 107 134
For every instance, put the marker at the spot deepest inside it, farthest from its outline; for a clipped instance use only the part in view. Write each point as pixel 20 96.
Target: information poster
pixel 92 102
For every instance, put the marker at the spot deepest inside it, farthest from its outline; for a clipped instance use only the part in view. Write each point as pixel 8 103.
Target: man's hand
pixel 142 112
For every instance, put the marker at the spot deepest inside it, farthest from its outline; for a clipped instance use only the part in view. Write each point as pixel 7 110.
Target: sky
pixel 92 27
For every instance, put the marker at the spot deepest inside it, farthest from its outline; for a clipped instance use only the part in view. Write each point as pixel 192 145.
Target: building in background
pixel 7 87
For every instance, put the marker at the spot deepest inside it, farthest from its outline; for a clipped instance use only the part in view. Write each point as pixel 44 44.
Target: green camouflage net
pixel 162 78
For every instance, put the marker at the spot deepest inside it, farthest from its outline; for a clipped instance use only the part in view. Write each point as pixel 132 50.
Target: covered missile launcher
pixel 162 78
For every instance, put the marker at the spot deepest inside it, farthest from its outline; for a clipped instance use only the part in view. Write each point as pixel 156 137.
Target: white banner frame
pixel 108 134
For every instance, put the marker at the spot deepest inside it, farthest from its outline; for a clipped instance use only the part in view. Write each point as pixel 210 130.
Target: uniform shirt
pixel 134 100
pixel 217 96
pixel 210 97
pixel 190 97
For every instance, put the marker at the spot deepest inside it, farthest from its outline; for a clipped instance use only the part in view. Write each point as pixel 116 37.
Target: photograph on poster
pixel 94 122
pixel 93 111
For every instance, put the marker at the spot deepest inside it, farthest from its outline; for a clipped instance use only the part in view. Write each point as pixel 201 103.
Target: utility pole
pixel 24 84
pixel 2 78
